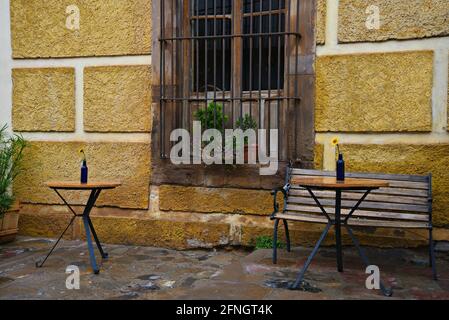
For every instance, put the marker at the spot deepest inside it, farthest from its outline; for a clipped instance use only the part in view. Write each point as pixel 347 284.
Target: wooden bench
pixel 405 204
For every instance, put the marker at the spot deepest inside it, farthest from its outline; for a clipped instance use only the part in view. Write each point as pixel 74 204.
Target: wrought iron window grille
pixel 243 55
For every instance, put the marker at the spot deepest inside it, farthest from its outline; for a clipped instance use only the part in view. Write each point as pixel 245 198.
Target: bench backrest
pixel 409 197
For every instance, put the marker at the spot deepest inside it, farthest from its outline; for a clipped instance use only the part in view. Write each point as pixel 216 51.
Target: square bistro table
pixel 331 183
pixel 95 188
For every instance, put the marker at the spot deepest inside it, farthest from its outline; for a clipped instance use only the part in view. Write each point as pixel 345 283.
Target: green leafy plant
pixel 266 242
pixel 11 155
pixel 211 117
pixel 246 123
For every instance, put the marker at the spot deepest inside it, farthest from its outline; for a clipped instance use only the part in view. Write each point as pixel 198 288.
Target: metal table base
pixel 88 227
pixel 337 223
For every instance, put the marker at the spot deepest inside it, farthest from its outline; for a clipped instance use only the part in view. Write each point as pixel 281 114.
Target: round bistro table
pixel 95 188
pixel 331 184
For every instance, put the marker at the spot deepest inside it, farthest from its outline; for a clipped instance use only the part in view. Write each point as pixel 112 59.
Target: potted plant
pixel 11 154
pixel 211 117
pixel 248 123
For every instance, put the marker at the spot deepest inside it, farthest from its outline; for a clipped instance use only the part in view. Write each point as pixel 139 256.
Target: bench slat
pixel 357 196
pixel 364 205
pixel 388 224
pixel 354 222
pixel 360 213
pixel 302 217
pixel 393 183
pixel 400 192
pixel 387 191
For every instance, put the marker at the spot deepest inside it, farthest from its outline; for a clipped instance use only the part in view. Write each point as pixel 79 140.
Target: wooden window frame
pixel 298 70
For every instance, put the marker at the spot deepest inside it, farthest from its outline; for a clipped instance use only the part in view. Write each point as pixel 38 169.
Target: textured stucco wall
pixel 39 93
pixel 107 28
pixel 210 200
pixel 128 163
pixel 407 159
pixel 321 21
pixel 375 92
pixel 100 102
pixel 117 99
pixel 400 19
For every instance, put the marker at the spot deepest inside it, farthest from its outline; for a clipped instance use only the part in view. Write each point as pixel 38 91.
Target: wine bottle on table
pixel 84 172
pixel 340 168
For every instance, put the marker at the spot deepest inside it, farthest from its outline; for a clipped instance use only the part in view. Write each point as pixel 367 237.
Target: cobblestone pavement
pixel 133 272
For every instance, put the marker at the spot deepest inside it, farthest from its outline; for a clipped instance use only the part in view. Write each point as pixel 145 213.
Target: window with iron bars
pixel 245 57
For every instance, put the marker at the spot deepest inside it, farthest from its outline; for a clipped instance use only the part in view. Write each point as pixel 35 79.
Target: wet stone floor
pixel 134 272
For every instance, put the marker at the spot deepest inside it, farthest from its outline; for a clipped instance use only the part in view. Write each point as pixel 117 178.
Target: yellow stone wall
pixel 40 92
pixel 321 22
pixel 318 156
pixel 374 92
pixel 400 19
pixel 127 163
pixel 117 99
pixel 97 98
pixel 183 230
pixel 407 159
pixel 215 200
pixel 107 28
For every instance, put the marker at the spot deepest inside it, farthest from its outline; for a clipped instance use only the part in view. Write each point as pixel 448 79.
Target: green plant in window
pixel 11 154
pixel 246 123
pixel 211 117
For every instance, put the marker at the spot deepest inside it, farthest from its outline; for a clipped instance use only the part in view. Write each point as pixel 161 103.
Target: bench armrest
pixel 274 193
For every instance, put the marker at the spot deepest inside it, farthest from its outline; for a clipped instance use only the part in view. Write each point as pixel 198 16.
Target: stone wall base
pixel 181 230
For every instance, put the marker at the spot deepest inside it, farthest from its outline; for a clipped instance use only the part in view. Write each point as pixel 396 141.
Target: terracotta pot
pixel 253 148
pixel 9 225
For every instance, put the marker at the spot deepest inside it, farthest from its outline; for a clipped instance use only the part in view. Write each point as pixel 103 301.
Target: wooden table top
pixel 332 183
pixel 71 185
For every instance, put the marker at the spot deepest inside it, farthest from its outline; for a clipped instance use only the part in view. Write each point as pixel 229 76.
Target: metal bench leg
pixel 388 292
pixel 300 277
pixel 432 256
pixel 275 240
pixel 287 235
